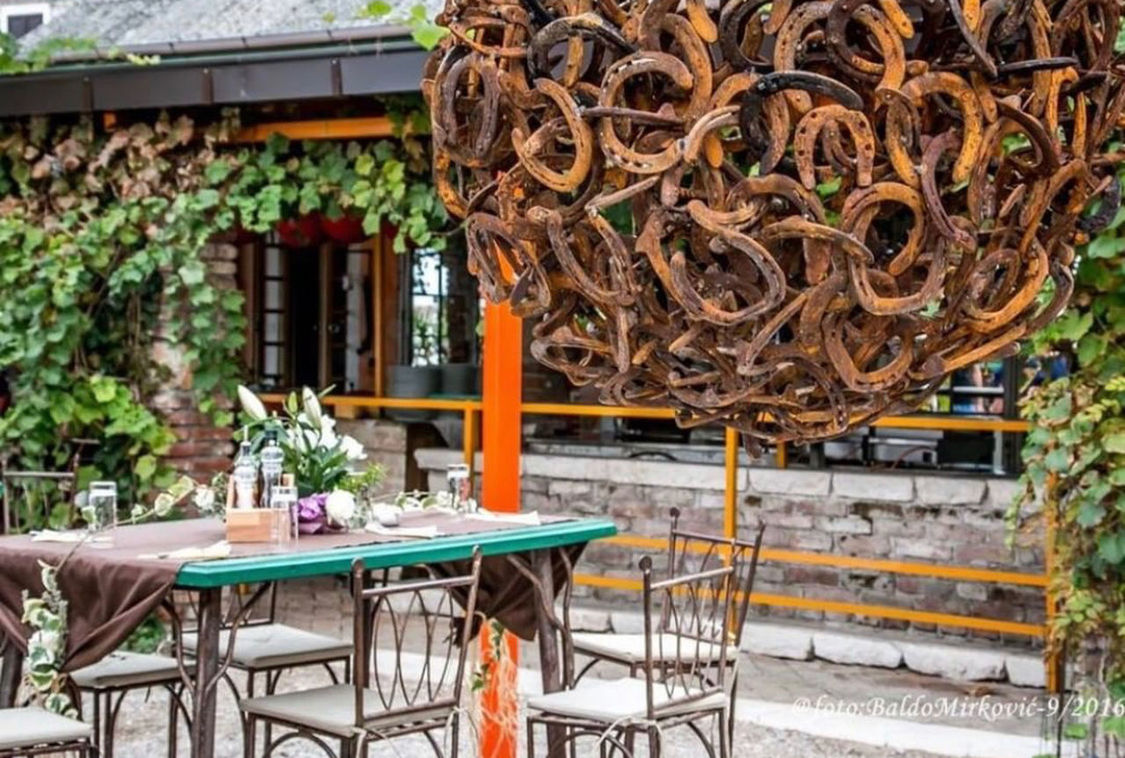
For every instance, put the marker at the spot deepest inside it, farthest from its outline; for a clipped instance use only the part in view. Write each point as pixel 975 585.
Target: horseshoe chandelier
pixel 790 217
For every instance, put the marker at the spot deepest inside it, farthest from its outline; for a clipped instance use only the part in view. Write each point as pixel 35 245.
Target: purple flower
pixel 310 513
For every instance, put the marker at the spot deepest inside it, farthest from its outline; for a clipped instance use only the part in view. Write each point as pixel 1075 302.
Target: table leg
pixel 206 674
pixel 548 635
pixel 10 673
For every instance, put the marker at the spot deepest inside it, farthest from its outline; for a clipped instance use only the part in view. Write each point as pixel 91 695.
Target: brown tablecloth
pixel 110 590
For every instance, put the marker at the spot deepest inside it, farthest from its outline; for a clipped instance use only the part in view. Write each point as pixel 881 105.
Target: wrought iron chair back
pixel 694 632
pixel 694 552
pixel 420 621
pixel 36 499
pixel 33 499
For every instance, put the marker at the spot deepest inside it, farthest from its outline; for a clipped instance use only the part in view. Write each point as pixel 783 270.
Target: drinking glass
pixel 100 512
pixel 283 504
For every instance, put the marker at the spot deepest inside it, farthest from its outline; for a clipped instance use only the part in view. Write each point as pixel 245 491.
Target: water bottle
pixel 272 460
pixel 245 476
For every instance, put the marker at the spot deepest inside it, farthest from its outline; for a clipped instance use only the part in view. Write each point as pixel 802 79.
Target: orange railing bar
pixel 471 407
pixel 858 609
pixel 960 573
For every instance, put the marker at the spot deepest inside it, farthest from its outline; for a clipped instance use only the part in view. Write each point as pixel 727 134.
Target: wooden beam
pixel 324 129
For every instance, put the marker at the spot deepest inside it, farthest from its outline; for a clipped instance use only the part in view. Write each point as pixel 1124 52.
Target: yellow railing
pixel 471 408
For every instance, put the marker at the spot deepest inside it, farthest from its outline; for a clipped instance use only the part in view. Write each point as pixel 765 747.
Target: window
pixel 18 20
pixel 439 309
pixel 310 316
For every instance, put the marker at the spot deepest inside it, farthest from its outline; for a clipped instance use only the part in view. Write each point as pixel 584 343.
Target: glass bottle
pixel 273 458
pixel 245 476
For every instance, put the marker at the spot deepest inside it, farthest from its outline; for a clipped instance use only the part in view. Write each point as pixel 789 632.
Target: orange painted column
pixel 502 394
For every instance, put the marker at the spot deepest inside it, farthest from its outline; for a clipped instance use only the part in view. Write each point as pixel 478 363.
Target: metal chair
pixel 687 551
pixel 262 646
pixel 30 498
pixel 681 685
pixel 108 682
pixel 381 703
pixel 35 731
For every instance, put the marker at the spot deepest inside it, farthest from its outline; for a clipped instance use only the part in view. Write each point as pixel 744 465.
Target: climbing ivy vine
pixel 102 236
pixel 1075 474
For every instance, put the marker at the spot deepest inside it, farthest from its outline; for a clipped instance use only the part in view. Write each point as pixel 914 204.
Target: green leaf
pixel 429 35
pixel 1115 442
pixel 146 467
pixel 192 273
pixel 1111 548
pixel 375 9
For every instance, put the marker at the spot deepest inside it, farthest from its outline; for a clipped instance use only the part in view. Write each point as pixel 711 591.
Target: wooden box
pixel 250 525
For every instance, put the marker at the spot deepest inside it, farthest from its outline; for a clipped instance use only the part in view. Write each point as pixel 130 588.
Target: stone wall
pixel 385 443
pixel 915 518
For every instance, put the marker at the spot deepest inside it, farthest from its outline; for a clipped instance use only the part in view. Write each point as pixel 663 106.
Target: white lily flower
pixel 352 448
pixel 340 506
pixel 311 405
pixel 251 403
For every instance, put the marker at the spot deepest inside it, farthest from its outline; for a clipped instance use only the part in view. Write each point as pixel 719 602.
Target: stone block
pixel 958 662
pixel 890 487
pixel 787 520
pixel 1026 670
pixel 846 525
pixel 949 490
pixel 858 650
pixel 1000 493
pixel 787 482
pixel 919 548
pixel 778 641
pixel 972 591
pixel 567 488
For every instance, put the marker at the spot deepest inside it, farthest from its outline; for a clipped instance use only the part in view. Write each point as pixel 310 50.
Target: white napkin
pixel 418 532
pixel 220 549
pixel 531 518
pixel 70 537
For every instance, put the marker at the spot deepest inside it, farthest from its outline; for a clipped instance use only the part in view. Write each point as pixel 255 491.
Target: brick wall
pixel 949 520
pixel 201 449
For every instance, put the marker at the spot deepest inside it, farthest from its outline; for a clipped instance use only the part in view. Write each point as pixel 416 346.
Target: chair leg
pixel 249 727
pixel 530 738
pixel 173 722
pixel 454 735
pixel 654 742
pixel 726 738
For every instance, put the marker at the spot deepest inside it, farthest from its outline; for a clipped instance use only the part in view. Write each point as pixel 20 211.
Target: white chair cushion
pixel 331 710
pixel 28 727
pixel 276 646
pixel 612 700
pixel 125 669
pixel 630 648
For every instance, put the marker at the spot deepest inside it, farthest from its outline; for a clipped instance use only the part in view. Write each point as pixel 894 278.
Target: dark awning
pixel 223 72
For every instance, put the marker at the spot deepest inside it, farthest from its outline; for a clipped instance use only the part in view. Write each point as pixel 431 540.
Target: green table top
pixel 264 568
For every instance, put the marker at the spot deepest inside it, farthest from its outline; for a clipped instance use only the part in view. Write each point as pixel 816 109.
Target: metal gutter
pixel 255 70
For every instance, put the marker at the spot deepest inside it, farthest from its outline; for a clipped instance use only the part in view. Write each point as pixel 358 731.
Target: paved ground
pixel 769 690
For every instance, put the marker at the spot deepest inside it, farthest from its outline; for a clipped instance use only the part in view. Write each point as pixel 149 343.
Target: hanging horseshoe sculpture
pixel 787 217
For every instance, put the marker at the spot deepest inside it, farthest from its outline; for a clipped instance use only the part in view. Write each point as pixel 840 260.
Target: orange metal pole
pixel 501 385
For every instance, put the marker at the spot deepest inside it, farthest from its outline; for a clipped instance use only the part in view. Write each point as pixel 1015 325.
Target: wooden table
pixel 207 579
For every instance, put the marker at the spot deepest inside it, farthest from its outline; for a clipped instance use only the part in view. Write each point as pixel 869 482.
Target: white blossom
pixel 312 406
pixel 340 506
pixel 352 448
pixel 251 403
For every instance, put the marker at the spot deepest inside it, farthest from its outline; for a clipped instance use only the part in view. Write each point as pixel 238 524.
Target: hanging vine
pixel 102 236
pixel 1074 460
